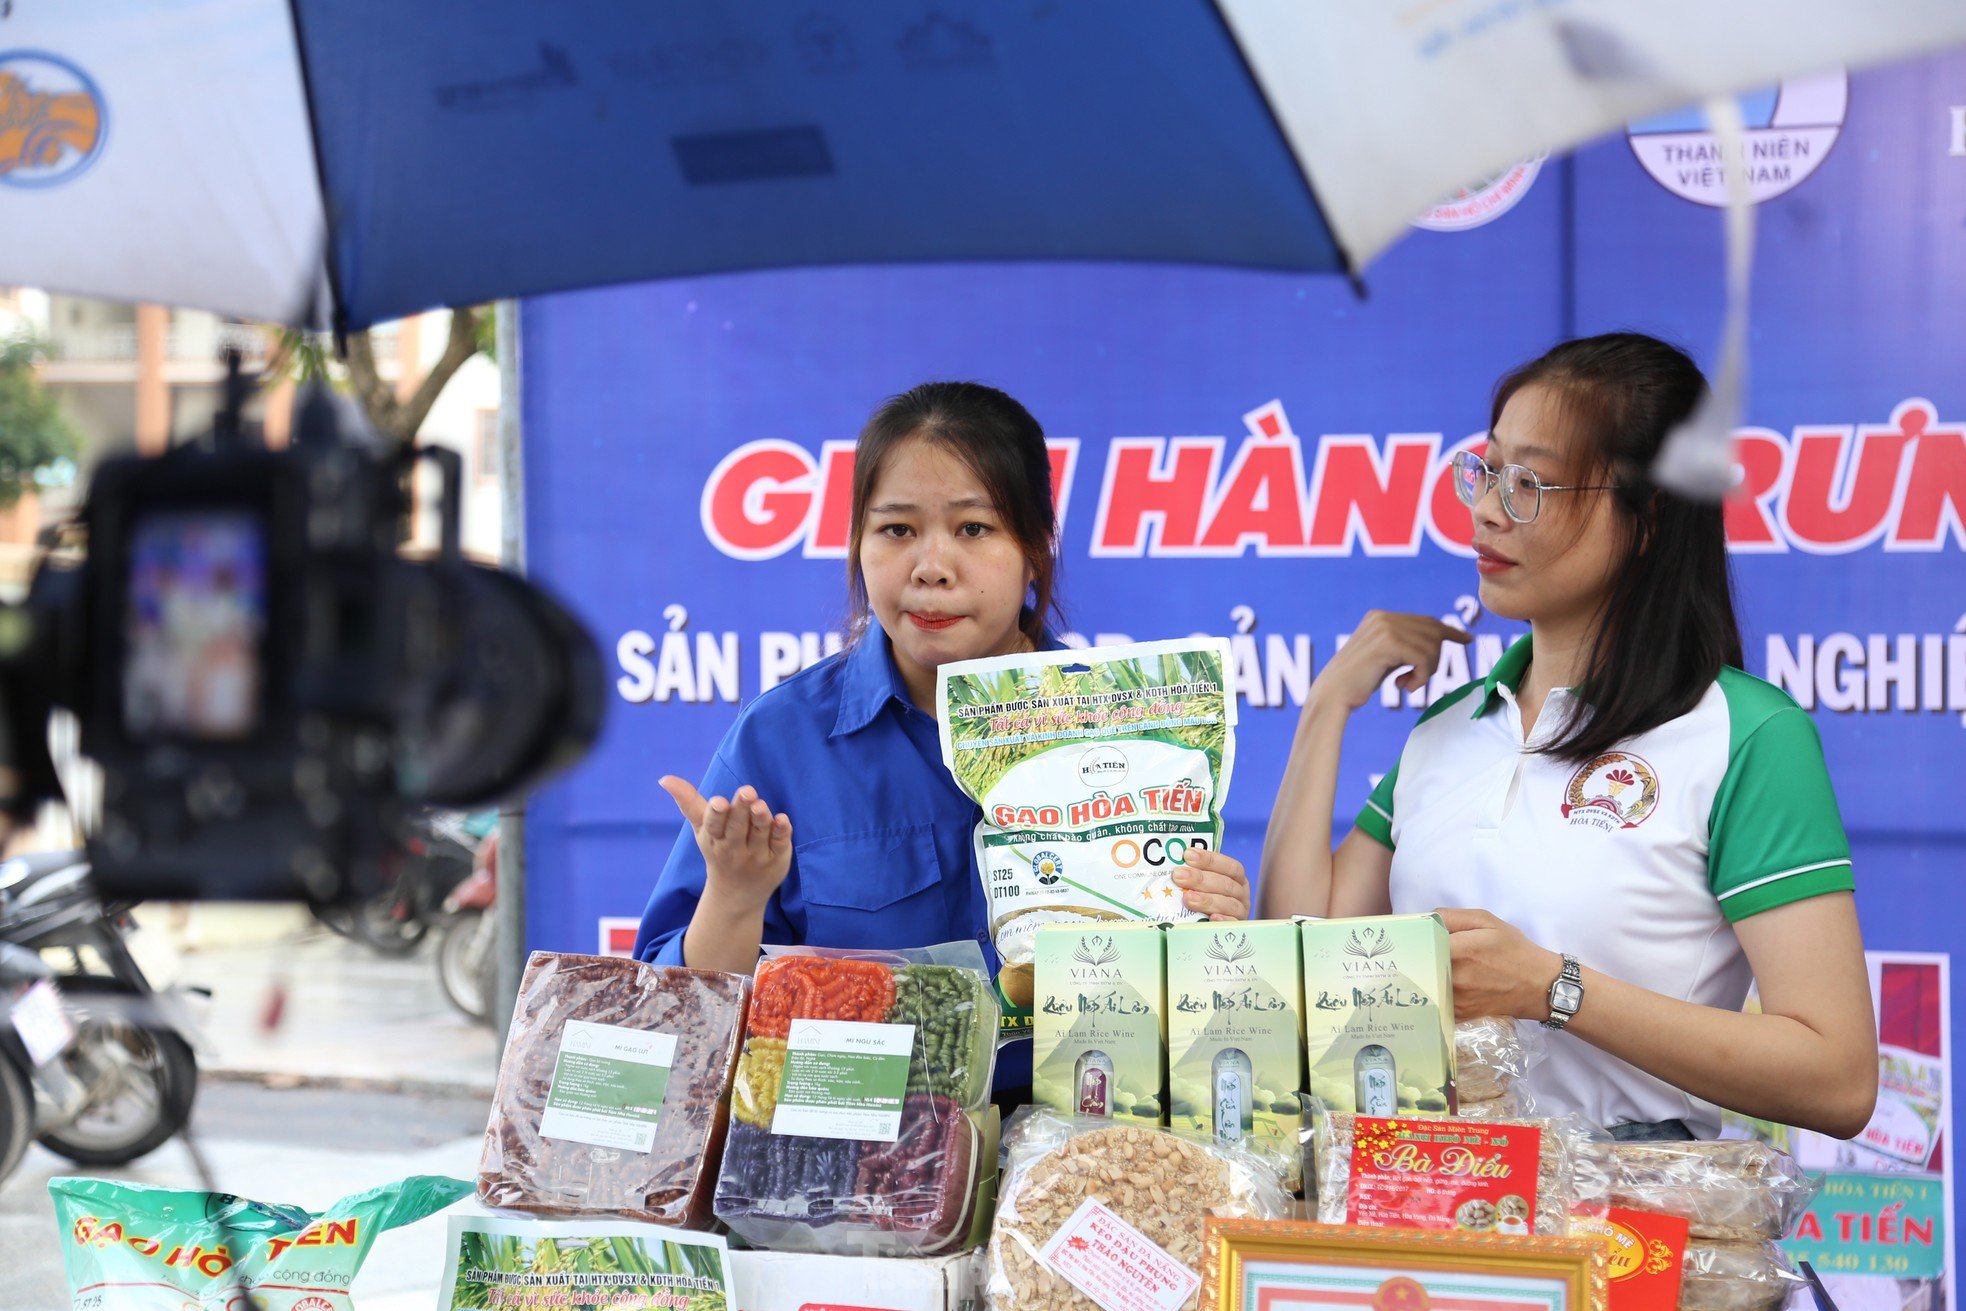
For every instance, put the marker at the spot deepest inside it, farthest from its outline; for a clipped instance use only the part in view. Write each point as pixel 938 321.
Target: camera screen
pixel 195 626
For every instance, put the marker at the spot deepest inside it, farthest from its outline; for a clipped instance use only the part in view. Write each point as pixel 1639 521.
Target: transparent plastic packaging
pixel 668 1182
pixel 1513 1104
pixel 1164 1184
pixel 1492 1054
pixel 915 1196
pixel 1732 1191
pixel 1736 1277
pixel 1556 1189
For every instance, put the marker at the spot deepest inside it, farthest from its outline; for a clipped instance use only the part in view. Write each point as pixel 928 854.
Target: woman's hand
pixel 1215 885
pixel 747 850
pixel 1384 642
pixel 1497 969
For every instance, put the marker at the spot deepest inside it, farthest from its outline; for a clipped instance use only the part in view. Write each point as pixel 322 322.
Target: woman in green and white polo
pixel 1626 830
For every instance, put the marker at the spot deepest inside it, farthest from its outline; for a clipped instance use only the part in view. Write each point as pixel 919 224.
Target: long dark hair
pixel 1666 625
pixel 1002 445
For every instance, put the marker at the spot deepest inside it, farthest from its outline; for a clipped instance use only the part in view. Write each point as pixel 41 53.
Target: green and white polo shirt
pixel 1637 863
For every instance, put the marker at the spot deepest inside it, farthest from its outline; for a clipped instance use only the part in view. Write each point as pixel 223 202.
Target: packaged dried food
pixel 1335 1136
pixel 857 1101
pixel 1736 1277
pixel 1732 1191
pixel 1514 1104
pixel 955 1017
pixel 614 1090
pixel 1492 1054
pixel 129 1247
pixel 1097 771
pixel 1160 1185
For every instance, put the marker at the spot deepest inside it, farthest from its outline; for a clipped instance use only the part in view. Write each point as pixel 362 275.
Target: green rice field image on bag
pixel 518 1265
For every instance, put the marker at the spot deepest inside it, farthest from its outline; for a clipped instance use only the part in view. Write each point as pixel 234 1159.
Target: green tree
pixel 306 355
pixel 35 437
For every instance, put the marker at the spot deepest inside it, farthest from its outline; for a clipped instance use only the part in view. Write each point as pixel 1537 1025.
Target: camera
pixel 268 684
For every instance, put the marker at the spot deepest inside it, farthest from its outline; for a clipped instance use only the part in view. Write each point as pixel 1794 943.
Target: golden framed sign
pixel 1289 1265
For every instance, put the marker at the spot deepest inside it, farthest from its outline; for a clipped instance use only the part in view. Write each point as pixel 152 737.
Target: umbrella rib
pixel 339 320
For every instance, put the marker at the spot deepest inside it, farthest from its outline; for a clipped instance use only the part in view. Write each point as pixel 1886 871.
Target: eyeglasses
pixel 1522 490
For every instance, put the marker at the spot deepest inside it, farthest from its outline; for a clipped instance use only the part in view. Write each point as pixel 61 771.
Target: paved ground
pixel 366 1075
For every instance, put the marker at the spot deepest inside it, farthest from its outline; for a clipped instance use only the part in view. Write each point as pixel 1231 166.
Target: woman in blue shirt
pixel 830 819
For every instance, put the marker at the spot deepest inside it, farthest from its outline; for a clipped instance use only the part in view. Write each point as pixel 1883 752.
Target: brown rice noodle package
pixel 1732 1191
pixel 1162 1184
pixel 614 1090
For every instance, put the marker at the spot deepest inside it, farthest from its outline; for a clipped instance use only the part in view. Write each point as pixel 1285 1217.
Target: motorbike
pixel 36 1032
pixel 123 1082
pixel 467 956
pixel 436 856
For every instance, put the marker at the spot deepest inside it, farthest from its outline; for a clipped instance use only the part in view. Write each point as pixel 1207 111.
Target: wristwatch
pixel 1566 994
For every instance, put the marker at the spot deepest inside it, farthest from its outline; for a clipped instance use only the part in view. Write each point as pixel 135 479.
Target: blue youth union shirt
pixel 881 835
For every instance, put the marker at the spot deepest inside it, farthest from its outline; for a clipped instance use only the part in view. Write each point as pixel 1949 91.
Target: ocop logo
pixel 1790 131
pixel 1102 766
pixel 52 119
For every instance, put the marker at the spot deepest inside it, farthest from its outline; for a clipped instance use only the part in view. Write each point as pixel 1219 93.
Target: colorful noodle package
pixel 131 1247
pixel 859 1102
pixel 1097 772
pixel 614 1089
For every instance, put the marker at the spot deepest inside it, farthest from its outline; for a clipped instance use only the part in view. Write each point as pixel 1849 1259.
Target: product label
pixel 608 1085
pixel 1116 1265
pixel 844 1079
pixel 1645 1256
pixel 1444 1174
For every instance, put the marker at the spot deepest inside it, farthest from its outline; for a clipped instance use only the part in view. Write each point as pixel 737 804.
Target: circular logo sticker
pixel 1617 790
pixel 1047 867
pixel 1485 201
pixel 52 119
pixel 1790 130
pixel 1102 766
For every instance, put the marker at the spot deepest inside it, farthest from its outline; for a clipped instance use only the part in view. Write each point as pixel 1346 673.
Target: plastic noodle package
pixel 1733 1191
pixel 131 1247
pixel 1163 1185
pixel 824 1056
pixel 614 1090
pixel 955 1017
pixel 1736 1277
pixel 1492 1054
pixel 1561 1141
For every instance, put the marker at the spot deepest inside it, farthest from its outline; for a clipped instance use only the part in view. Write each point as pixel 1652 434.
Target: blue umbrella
pixel 444 152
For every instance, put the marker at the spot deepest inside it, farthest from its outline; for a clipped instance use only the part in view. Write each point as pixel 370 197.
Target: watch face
pixel 1566 996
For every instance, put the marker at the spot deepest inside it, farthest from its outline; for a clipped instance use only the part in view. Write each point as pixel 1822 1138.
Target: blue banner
pixel 1265 456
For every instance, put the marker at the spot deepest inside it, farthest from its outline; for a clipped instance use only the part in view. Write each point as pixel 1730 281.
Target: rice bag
pixel 1161 1185
pixel 1097 771
pixel 614 1090
pixel 857 1101
pixel 132 1247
